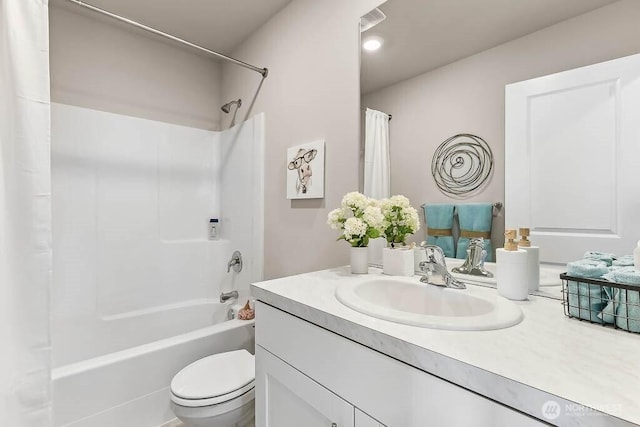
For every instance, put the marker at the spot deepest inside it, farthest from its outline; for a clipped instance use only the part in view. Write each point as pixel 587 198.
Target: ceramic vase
pixel 359 260
pixel 397 261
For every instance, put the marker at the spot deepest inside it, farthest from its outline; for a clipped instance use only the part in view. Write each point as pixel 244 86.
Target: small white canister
pixel 419 255
pixel 533 259
pixel 511 270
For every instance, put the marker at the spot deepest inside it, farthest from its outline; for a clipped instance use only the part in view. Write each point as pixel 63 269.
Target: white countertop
pixel 546 357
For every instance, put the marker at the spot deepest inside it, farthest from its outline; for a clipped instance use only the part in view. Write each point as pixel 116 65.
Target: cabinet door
pixel 571 150
pixel 287 398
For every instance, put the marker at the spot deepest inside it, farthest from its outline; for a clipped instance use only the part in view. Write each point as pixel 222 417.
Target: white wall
pixel 99 63
pixel 468 96
pixel 312 51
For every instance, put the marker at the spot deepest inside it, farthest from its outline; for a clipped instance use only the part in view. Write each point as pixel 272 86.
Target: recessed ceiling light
pixel 372 44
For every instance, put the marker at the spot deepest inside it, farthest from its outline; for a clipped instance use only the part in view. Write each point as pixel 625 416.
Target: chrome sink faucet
pixel 435 269
pixel 474 264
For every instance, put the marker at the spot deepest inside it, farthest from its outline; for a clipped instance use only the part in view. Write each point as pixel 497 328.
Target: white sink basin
pixel 407 301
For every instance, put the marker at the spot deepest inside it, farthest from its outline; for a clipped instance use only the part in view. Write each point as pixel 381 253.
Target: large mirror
pixel 442 67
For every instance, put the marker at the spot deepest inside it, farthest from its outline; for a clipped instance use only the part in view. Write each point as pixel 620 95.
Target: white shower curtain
pixel 376 154
pixel 376 168
pixel 25 214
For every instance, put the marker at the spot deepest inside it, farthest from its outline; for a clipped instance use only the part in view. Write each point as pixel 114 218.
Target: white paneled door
pixel 572 153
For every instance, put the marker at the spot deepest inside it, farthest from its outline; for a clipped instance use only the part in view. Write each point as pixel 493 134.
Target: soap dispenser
pixel 533 259
pixel 511 269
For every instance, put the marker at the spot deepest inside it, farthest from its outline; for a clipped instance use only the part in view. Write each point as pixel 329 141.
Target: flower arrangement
pixel 400 219
pixel 359 218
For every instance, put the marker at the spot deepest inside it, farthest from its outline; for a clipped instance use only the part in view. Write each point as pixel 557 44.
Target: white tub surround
pixel 545 358
pixel 136 280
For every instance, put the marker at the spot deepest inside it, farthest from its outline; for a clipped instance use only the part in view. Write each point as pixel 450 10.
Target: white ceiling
pixel 421 35
pixel 220 25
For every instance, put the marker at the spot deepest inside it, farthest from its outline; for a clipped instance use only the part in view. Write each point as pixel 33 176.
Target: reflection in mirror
pixel 443 65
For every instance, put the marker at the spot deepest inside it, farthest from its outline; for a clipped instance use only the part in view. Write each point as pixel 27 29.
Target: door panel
pixel 572 171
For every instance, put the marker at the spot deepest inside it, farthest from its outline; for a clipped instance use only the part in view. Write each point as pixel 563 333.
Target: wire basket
pixel 601 301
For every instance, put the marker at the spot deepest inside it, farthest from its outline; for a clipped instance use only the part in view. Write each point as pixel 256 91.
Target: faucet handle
pixel 424 266
pixel 477 241
pixel 235 262
pixel 435 254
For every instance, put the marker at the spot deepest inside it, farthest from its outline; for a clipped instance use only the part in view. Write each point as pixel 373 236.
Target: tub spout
pixel 226 296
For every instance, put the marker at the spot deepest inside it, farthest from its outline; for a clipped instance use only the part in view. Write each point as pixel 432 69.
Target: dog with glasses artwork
pixel 306 165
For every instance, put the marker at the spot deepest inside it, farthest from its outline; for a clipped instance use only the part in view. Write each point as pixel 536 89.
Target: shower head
pixel 227 107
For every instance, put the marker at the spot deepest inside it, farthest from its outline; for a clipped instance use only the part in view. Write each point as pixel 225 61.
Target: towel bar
pixel 497 208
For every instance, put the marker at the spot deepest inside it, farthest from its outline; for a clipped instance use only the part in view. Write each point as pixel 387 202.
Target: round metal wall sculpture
pixel 462 164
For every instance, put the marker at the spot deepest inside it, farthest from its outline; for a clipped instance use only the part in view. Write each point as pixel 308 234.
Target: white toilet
pixel 216 391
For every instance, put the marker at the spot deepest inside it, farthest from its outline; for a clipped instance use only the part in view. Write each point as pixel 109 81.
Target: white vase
pixel 397 261
pixel 359 260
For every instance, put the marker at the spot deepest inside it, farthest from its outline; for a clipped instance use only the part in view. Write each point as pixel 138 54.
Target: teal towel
pixel 587 268
pixel 475 217
pixel 440 217
pixel 624 261
pixel 587 301
pixel 628 310
pixel 626 303
pixel 600 256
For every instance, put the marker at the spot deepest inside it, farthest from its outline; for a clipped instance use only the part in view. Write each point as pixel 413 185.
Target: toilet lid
pixel 215 376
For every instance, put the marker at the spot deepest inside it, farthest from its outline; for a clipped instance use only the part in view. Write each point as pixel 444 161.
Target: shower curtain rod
pixel 365 109
pixel 263 71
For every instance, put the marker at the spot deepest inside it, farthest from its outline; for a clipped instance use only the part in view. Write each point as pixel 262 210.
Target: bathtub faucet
pixel 235 262
pixel 226 296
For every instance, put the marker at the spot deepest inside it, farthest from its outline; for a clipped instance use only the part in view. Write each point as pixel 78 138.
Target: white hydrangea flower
pixel 336 217
pixel 354 228
pixel 355 201
pixel 373 216
pixel 400 200
pixel 400 218
pixel 411 219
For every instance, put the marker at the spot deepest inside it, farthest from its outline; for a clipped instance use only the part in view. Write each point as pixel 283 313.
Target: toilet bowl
pixel 216 391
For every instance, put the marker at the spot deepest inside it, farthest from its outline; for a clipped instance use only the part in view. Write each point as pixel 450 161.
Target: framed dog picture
pixel 305 171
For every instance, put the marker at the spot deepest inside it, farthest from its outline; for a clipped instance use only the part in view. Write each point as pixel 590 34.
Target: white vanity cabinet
pixel 289 398
pixel 308 376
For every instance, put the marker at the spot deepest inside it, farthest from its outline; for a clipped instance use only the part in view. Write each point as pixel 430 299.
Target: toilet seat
pixel 215 380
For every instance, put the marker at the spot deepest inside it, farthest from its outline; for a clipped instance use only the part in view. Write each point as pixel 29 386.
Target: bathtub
pixel 130 387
